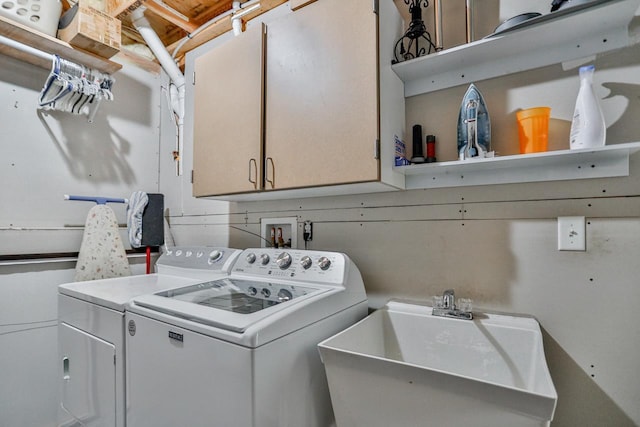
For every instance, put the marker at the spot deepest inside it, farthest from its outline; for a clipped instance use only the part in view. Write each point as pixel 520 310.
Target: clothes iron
pixel 474 126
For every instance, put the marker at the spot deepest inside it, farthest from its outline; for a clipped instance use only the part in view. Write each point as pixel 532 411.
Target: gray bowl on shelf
pixel 516 20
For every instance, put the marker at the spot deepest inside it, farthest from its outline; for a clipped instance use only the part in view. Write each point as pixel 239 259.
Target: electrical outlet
pixel 572 233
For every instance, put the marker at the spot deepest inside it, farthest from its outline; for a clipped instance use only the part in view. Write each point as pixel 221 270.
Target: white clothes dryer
pixel 242 351
pixel 91 332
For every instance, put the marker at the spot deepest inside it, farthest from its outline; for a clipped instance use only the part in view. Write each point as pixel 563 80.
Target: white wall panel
pixel 49 154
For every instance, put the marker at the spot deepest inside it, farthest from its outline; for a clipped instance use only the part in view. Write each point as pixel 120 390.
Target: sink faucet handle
pixel 449 299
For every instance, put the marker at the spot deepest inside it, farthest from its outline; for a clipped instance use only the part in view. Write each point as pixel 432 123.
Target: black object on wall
pixel 153 221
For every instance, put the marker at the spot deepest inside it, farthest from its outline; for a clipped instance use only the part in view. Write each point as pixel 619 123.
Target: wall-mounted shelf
pixel 45 43
pixel 569 34
pixel 608 161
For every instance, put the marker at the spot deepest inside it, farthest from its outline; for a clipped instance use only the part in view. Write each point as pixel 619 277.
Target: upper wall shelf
pixel 44 42
pixel 608 161
pixel 569 34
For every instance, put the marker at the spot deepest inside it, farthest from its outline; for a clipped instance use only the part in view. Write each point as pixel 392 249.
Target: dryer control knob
pixel 306 262
pixel 214 256
pixel 324 263
pixel 252 291
pixel 284 295
pixel 266 292
pixel 284 260
pixel 251 258
pixel 264 259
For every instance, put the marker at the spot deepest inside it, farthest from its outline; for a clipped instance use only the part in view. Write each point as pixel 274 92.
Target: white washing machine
pixel 91 332
pixel 241 351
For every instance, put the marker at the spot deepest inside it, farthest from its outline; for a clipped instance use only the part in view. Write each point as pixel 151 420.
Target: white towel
pixel 137 202
pixel 102 253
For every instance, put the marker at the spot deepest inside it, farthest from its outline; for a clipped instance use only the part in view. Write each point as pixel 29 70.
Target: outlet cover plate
pixel 572 233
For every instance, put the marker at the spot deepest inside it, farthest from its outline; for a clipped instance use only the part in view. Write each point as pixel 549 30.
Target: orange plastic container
pixel 533 129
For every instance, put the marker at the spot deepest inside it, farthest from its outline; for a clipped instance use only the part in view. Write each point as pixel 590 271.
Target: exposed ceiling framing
pixel 175 20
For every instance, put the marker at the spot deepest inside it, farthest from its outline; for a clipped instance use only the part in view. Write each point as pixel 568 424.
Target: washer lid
pixel 231 304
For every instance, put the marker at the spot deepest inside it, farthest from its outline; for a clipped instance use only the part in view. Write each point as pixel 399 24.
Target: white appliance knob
pixel 266 292
pixel 178 252
pixel 324 263
pixel 251 258
pixel 214 256
pixel 188 254
pixel 284 260
pixel 252 291
pixel 284 295
pixel 306 262
pixel 264 259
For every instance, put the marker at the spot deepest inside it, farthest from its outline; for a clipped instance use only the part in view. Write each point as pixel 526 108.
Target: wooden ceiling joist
pixel 167 14
pixel 122 8
pixel 222 26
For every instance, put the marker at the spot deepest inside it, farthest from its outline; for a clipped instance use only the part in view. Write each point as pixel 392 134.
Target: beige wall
pixel 497 244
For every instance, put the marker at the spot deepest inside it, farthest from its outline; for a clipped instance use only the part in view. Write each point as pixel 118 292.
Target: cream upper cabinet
pixel 228 117
pixel 306 106
pixel 322 96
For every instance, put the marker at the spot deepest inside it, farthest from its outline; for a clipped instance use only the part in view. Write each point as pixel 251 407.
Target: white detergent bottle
pixel 588 129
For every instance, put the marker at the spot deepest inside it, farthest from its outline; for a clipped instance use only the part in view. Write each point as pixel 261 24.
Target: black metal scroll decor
pixel 416 41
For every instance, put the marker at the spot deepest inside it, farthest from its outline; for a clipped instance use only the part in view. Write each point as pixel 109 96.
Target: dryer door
pixel 88 377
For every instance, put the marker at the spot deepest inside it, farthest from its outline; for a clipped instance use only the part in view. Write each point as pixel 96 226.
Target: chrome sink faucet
pixel 449 299
pixel 445 306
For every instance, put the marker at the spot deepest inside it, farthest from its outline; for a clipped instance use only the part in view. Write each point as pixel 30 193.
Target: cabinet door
pixel 228 116
pixel 322 96
pixel 88 378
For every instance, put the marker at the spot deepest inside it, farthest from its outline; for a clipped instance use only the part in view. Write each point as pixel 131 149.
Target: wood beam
pixel 125 56
pixel 122 8
pixel 222 26
pixel 166 14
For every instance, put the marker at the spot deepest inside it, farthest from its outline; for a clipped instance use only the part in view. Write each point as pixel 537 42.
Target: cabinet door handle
pixel 255 169
pixel 65 369
pixel 273 172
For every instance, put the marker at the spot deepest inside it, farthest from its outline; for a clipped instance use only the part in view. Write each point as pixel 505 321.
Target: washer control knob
pixel 214 256
pixel 251 258
pixel 252 291
pixel 306 262
pixel 264 259
pixel 324 263
pixel 266 292
pixel 284 295
pixel 284 260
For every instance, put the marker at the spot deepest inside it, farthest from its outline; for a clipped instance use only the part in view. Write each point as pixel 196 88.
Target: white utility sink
pixel 401 366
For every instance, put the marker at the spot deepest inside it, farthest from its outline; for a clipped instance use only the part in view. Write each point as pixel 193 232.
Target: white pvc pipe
pixel 141 24
pixel 245 8
pixel 236 22
pixel 170 67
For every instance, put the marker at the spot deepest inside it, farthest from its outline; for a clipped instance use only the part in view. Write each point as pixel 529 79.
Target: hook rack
pixel 74 88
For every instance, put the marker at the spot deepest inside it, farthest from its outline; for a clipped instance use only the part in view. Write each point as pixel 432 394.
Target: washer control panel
pixel 317 266
pixel 198 257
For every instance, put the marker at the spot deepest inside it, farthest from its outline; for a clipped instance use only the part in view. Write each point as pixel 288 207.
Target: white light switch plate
pixel 572 233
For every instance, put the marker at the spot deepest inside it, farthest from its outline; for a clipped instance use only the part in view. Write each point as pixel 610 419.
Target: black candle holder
pixel 416 41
